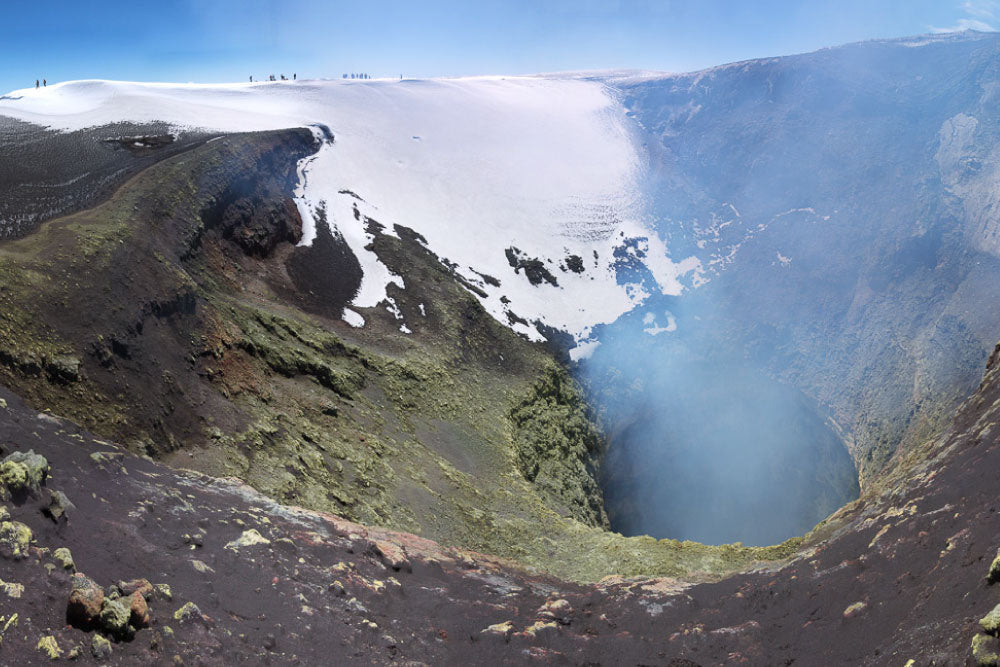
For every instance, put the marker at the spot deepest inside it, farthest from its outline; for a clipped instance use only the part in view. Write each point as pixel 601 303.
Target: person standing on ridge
pixel 295 77
pixel 36 84
pixel 44 83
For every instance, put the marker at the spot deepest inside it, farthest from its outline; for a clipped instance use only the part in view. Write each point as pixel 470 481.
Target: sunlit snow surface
pixel 476 165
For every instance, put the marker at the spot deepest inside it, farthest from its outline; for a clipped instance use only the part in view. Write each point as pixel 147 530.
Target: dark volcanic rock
pixel 15 540
pixel 35 470
pixel 58 506
pixel 64 369
pixel 993 576
pixel 534 269
pixel 326 274
pixel 100 648
pixel 259 229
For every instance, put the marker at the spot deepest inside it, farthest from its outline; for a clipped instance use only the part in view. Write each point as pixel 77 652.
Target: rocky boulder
pixel 140 586
pixel 85 603
pixel 64 557
pixel 115 618
pixel 556 610
pixel 138 610
pixel 991 622
pixel 15 538
pixel 100 647
pixel 36 467
pixel 985 650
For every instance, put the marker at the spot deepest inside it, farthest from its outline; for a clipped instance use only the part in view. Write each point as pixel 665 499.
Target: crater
pixel 704 445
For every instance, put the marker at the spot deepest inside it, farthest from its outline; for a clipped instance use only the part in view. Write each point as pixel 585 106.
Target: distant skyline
pixel 228 40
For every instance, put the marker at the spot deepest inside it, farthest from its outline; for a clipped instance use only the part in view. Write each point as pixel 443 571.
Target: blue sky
pixel 226 40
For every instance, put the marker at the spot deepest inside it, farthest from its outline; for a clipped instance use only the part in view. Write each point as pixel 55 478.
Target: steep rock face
pixel 115 324
pixel 842 205
pixel 559 448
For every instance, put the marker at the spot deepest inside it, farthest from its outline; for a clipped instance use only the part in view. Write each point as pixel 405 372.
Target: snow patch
pixel 584 350
pixel 306 212
pixel 654 329
pixel 353 318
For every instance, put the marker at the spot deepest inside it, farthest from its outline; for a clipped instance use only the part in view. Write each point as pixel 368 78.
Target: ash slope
pixel 49 173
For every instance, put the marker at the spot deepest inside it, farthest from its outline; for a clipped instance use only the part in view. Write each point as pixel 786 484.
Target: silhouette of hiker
pixel 44 83
pixel 295 77
pixel 36 83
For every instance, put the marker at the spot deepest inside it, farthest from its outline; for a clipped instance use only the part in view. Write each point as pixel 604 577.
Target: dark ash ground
pixel 44 174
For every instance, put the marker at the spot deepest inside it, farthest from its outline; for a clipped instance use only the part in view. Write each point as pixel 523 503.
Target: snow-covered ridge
pixel 529 182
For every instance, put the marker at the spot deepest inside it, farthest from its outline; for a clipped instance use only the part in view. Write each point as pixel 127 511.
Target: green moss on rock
pixel 249 538
pixel 115 620
pixel 36 467
pixel 64 557
pixel 189 611
pixel 14 476
pixel 100 647
pixel 993 575
pixel 50 647
pixel 559 446
pixel 991 622
pixel 985 650
pixel 15 539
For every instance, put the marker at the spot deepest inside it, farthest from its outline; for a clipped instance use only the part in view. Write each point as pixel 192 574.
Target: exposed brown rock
pixel 392 555
pixel 138 611
pixel 141 586
pixel 556 610
pixel 85 602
